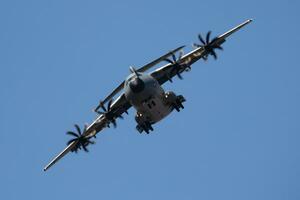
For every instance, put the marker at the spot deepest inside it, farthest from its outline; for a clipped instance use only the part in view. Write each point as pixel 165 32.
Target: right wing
pixel 166 73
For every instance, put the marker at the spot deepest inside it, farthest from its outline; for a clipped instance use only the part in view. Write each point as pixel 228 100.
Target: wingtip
pixel 46 168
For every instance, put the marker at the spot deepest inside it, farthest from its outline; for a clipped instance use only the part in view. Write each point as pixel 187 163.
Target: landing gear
pixel 177 104
pixel 147 127
pixel 175 101
pixel 143 124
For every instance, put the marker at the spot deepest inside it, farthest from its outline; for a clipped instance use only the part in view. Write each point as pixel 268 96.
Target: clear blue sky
pixel 238 137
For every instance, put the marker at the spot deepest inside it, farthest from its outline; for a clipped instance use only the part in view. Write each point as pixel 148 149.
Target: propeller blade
pixel 72 133
pixel 201 39
pixel 173 57
pixel 85 128
pixel 78 129
pixel 197 45
pixel 97 108
pixel 101 113
pixel 100 105
pixel 84 148
pixel 168 60
pixel 213 53
pixel 114 123
pixel 91 142
pixel 218 47
pixel 72 140
pixel 109 105
pixel 213 40
pixel 207 37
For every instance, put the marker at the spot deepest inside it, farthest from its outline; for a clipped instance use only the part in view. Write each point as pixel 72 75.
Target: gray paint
pixel 151 101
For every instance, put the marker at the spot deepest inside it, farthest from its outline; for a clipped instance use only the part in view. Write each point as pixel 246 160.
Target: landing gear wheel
pixel 175 106
pixel 178 103
pixel 147 127
pixel 139 128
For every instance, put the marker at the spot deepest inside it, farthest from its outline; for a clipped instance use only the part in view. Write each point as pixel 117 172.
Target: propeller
pixel 208 45
pixel 108 114
pixel 81 140
pixel 177 65
pixel 100 105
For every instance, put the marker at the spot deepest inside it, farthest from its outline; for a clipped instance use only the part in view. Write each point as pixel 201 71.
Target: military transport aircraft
pixel 144 92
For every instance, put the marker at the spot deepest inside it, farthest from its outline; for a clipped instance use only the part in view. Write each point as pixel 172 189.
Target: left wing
pixel 118 107
pixel 176 67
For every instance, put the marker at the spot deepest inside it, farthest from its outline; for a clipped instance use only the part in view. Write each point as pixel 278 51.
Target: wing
pixel 118 107
pixel 141 69
pixel 167 72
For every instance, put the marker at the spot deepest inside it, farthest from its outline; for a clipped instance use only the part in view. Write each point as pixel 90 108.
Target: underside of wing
pixel 59 156
pixel 183 63
pixel 82 138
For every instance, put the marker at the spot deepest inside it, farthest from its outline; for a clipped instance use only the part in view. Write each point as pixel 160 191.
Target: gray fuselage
pixel 147 96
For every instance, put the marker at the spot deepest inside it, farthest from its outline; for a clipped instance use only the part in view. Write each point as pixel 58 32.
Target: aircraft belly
pixel 150 101
pixel 155 109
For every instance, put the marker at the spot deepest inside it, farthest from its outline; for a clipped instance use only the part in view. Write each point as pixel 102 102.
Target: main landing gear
pixel 143 124
pixel 171 101
pixel 147 127
pixel 175 101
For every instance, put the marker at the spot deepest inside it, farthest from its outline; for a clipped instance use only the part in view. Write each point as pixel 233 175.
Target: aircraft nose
pixel 137 85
